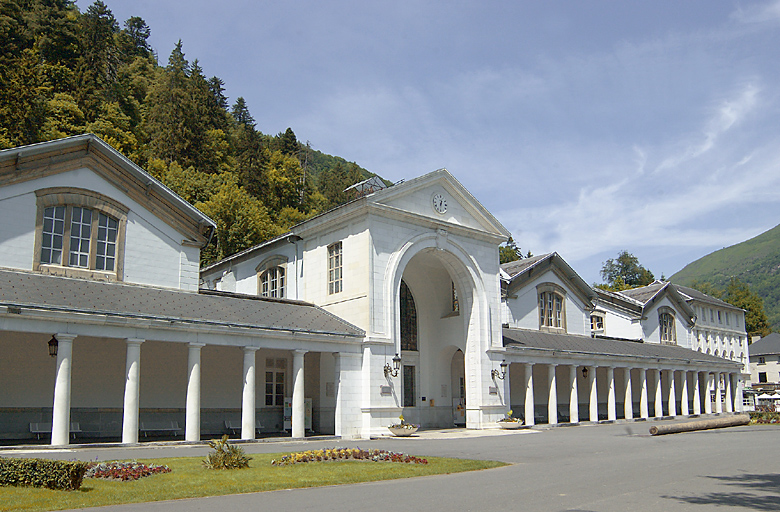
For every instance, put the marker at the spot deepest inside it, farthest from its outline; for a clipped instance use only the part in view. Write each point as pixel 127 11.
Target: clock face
pixel 439 203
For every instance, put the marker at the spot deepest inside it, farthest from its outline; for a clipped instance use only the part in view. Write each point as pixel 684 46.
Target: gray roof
pixel 703 297
pixel 644 293
pixel 768 345
pixel 584 345
pixel 515 267
pixel 44 292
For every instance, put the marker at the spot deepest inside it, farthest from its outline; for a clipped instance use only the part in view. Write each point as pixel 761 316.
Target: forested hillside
pixel 64 73
pixel 755 262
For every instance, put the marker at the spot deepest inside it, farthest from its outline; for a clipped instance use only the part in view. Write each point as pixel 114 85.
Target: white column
pixel 574 396
pixel 672 394
pixel 696 394
pixel 248 398
pixel 659 397
pixel 718 394
pixel 684 394
pixel 552 396
pixel 529 393
pixel 628 396
pixel 738 397
pixel 643 403
pixel 132 386
pixel 593 399
pixel 348 375
pixel 707 400
pixel 60 425
pixel 729 394
pixel 192 426
pixel 611 413
pixel 298 402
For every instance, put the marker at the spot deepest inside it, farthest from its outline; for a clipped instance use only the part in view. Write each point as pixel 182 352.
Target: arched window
pixel 272 277
pixel 667 328
pixel 552 302
pixel 272 282
pixel 408 318
pixel 79 233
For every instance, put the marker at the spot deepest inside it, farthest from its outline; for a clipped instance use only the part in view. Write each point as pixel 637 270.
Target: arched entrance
pixel 432 331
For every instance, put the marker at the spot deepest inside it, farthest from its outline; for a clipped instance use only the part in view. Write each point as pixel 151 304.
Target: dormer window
pixel 597 323
pixel 271 277
pixel 551 307
pixel 78 232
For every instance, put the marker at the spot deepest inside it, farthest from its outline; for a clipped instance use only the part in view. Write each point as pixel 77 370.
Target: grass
pixel 189 479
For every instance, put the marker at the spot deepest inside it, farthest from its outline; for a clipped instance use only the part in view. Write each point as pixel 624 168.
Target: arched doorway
pixel 432 331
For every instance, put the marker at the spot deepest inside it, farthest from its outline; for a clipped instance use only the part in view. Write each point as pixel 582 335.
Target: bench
pixel 160 427
pixel 235 426
pixel 45 428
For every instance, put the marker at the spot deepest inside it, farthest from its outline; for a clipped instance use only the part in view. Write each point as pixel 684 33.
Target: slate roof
pixel 703 297
pixel 768 345
pixel 644 293
pixel 584 345
pixel 515 267
pixel 38 291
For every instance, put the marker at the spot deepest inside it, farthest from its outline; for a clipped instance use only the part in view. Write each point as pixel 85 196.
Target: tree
pixel 509 252
pixel 135 37
pixel 739 294
pixel 241 113
pixel 100 58
pixel 627 267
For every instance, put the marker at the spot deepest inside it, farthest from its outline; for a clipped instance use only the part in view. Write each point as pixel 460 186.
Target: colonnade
pixel 62 392
pixel 692 401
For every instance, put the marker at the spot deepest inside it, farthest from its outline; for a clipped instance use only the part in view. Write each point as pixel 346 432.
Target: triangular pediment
pixel 439 197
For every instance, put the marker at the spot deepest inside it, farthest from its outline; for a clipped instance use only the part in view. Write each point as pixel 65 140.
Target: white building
pixel 392 303
pixel 765 363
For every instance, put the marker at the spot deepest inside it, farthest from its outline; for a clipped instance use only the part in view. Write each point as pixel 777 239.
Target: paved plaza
pixel 614 467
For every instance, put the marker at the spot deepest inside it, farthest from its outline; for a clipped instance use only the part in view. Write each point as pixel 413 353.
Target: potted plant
pixel 509 421
pixel 402 429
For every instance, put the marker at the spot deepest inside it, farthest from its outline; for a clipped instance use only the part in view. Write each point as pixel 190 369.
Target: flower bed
pixel 763 418
pixel 124 471
pixel 336 454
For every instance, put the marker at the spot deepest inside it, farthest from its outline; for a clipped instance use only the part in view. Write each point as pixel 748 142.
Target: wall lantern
pixel 584 372
pixel 499 375
pixel 53 343
pixel 393 372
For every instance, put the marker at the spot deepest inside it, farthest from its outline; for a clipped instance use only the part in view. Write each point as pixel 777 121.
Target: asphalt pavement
pixel 615 467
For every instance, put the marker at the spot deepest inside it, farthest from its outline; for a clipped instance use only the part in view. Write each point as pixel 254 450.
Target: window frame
pixel 278 372
pixel 70 198
pixel 602 316
pixel 273 265
pixel 667 336
pixel 557 315
pixel 335 272
pixel 409 325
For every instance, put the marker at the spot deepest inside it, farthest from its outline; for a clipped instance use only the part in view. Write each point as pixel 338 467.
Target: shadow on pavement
pixel 766 495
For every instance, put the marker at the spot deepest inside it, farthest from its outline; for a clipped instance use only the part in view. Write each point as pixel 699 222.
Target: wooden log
pixel 675 428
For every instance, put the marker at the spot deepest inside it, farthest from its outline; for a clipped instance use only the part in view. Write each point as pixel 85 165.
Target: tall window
pixel 274 381
pixel 334 268
pixel 408 318
pixel 455 301
pixel 551 310
pixel 272 282
pixel 77 231
pixel 410 391
pixel 666 324
pixel 597 323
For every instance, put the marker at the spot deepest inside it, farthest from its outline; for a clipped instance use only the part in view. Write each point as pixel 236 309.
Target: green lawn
pixel 190 479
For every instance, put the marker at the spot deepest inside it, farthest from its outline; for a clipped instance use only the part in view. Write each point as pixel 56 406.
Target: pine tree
pixel 100 58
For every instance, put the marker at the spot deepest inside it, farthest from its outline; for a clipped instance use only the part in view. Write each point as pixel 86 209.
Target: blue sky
pixel 584 127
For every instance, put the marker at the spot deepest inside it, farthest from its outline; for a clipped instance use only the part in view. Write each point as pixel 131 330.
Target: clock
pixel 439 203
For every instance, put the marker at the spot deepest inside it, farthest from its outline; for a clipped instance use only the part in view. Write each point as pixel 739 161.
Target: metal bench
pixel 45 428
pixel 159 427
pixel 235 426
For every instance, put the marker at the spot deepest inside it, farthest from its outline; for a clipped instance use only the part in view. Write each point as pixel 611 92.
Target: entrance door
pixel 458 372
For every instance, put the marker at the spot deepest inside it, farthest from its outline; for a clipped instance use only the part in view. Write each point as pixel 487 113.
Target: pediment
pixel 439 197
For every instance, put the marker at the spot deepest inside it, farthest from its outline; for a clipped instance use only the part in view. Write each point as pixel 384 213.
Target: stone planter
pixel 510 425
pixel 402 431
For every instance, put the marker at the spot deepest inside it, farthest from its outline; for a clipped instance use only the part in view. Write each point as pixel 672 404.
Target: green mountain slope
pixel 755 261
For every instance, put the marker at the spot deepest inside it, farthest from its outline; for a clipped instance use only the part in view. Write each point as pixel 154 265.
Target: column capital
pixel 196 344
pixel 65 336
pixel 134 341
pixel 299 351
pixel 250 349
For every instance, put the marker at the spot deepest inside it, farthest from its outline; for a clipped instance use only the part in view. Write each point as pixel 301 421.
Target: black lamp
pixel 393 372
pixel 499 375
pixel 53 344
pixel 585 372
